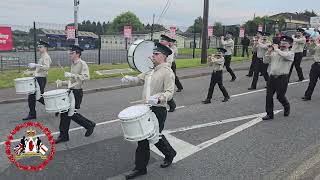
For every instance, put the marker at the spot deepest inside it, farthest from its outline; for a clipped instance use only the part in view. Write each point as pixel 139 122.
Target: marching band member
pixel 254 56
pixel 40 74
pixel 260 67
pixel 280 61
pixel 228 44
pixel 79 73
pixel 299 41
pixel 161 90
pixel 217 62
pixel 314 72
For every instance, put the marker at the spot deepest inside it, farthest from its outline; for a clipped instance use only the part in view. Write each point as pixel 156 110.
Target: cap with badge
pixel 287 39
pixel 265 34
pixel 259 32
pixel 76 48
pixel 162 49
pixel 167 38
pixel 222 50
pixel 43 43
pixel 229 32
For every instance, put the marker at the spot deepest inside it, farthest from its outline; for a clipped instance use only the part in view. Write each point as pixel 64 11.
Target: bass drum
pixel 138 55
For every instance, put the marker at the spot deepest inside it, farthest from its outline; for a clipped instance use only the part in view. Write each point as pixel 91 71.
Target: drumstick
pixel 61 67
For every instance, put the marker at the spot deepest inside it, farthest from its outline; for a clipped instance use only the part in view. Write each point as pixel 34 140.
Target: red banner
pixel 173 30
pixel 5 39
pixel 210 31
pixel 241 33
pixel 127 31
pixel 71 32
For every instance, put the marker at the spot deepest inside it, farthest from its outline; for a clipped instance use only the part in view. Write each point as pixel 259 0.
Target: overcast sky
pixel 179 13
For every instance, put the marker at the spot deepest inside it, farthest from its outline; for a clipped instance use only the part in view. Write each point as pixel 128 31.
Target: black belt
pixel 279 76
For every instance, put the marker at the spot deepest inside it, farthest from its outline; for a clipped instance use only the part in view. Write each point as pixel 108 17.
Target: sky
pixel 180 13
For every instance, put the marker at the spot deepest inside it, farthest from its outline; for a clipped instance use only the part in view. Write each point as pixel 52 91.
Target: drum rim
pixel 24 79
pixel 134 53
pixel 128 118
pixel 44 94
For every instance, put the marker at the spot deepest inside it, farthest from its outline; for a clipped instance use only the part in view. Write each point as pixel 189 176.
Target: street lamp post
pixel 76 8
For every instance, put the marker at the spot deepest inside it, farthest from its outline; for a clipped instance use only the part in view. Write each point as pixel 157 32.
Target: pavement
pixel 215 141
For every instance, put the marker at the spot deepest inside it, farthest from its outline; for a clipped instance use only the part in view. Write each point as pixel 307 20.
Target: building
pixel 292 20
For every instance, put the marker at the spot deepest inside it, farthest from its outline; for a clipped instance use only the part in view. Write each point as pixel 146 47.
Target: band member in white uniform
pixel 40 74
pixel 161 90
pixel 228 44
pixel 78 74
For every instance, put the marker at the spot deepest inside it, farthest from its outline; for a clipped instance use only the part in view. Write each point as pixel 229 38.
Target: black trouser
pixel 253 63
pixel 260 67
pixel 78 118
pixel 314 76
pixel 216 78
pixel 143 150
pixel 245 49
pixel 279 85
pixel 227 63
pixel 42 81
pixel 177 82
pixel 296 63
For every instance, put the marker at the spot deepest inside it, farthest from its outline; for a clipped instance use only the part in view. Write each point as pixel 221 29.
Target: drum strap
pixel 147 85
pixel 72 109
pixel 38 92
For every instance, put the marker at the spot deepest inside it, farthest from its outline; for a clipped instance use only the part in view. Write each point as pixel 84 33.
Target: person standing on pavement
pixel 217 62
pixel 228 44
pixel 245 42
pixel 299 41
pixel 260 66
pixel 161 90
pixel 314 72
pixel 78 74
pixel 40 74
pixel 280 62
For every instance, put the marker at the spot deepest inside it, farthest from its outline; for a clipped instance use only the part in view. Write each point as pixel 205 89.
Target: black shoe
pixel 168 161
pixel 56 114
pixel 90 130
pixel 233 79
pixel 261 75
pixel 172 109
pixel 267 117
pixel 286 111
pixel 251 88
pixel 207 101
pixel 300 80
pixel 29 117
pixel 225 99
pixel 305 98
pixel 135 173
pixel 249 75
pixel 179 90
pixel 61 139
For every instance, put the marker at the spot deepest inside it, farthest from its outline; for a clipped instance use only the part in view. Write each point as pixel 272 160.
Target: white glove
pixel 153 100
pixel 124 80
pixel 69 75
pixel 32 65
pixel 59 83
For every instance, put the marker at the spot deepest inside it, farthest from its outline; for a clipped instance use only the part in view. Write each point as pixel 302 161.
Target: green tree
pixel 218 29
pixel 124 19
pixel 308 13
pixel 198 25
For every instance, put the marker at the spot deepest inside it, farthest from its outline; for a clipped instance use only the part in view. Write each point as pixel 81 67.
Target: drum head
pixel 55 92
pixel 139 53
pixel 134 111
pixel 24 79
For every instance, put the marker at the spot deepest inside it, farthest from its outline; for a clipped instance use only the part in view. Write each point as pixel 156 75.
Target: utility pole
pixel 76 8
pixel 205 32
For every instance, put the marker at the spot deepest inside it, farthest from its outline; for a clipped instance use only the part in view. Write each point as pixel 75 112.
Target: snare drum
pixel 57 101
pixel 26 85
pixel 138 55
pixel 137 123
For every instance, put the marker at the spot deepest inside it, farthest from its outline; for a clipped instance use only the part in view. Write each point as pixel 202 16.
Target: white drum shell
pixel 139 127
pixel 138 55
pixel 25 85
pixel 57 101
